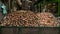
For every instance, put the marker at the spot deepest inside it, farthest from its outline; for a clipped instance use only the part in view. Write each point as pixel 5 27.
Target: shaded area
pixel 46 30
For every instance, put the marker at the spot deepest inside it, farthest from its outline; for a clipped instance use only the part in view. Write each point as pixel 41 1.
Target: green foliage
pixel 58 7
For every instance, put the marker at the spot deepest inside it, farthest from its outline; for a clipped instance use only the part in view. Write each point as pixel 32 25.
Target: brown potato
pixel 23 18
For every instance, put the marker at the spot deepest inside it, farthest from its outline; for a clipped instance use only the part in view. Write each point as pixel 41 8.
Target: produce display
pixel 47 19
pixel 32 13
pixel 20 18
pixel 30 19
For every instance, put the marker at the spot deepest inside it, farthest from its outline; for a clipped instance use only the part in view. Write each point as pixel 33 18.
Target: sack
pixel 4 11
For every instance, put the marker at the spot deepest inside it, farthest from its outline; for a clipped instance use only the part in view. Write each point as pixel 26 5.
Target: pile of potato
pixel 29 19
pixel 21 18
pixel 47 20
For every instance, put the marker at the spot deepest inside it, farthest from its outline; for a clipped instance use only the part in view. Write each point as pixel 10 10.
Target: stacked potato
pixel 21 18
pixel 30 19
pixel 48 20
